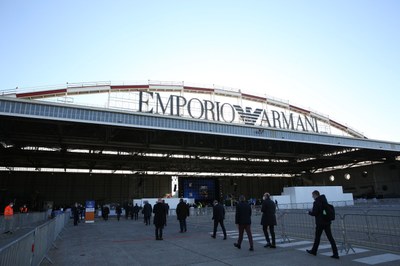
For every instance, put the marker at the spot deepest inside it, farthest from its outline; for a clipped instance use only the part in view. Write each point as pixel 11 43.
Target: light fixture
pixel 347 176
pixel 332 178
pixel 364 174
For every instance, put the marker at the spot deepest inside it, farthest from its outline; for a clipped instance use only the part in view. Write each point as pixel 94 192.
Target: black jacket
pixel 147 210
pixel 159 215
pixel 218 212
pixel 317 210
pixel 268 209
pixel 182 211
pixel 243 213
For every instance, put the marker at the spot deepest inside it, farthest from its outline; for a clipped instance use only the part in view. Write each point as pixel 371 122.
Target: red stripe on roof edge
pixel 39 93
pixel 299 109
pixel 254 97
pixel 197 89
pixel 118 87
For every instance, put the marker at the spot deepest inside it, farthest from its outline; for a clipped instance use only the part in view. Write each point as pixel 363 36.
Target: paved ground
pixel 132 243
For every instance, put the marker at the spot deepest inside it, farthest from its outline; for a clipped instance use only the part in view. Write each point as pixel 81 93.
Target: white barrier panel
pixel 300 197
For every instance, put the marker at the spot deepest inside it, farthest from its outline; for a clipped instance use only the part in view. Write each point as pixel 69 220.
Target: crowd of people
pixel 243 214
pixel 243 222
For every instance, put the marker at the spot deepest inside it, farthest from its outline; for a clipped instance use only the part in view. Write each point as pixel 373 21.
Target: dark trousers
pixel 318 232
pixel 220 222
pixel 182 224
pixel 159 232
pixel 272 231
pixel 118 216
pixel 76 219
pixel 147 220
pixel 242 228
pixel 136 216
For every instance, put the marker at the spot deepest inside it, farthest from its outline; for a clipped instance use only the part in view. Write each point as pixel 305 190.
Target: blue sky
pixel 340 58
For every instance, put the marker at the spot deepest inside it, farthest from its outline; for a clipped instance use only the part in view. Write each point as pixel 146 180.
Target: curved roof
pixel 70 89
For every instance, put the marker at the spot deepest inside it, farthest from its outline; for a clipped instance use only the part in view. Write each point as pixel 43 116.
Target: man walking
pixel 243 221
pixel 182 212
pixel 268 219
pixel 159 218
pixel 118 211
pixel 75 213
pixel 218 217
pixel 147 212
pixel 322 224
pixel 136 211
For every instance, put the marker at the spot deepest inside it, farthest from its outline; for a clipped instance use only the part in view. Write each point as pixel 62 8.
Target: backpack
pixel 329 212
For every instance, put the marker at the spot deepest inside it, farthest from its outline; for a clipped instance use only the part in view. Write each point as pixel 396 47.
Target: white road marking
pixel 292 244
pixel 372 260
pixel 343 253
pixel 325 246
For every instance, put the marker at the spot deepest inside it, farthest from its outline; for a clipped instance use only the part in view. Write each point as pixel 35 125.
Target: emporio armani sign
pixel 176 105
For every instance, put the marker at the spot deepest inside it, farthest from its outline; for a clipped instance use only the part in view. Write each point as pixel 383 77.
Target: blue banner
pixel 90 204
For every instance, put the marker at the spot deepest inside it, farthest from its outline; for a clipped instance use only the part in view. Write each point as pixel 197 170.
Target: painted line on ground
pixel 372 260
pixel 292 244
pixel 278 240
pixel 343 253
pixel 325 246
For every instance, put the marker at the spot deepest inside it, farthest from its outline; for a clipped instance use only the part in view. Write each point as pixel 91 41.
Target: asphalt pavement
pixel 129 242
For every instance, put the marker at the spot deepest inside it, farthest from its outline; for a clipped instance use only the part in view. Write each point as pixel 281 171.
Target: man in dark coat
pixel 182 212
pixel 130 210
pixel 268 219
pixel 218 217
pixel 105 212
pixel 118 211
pixel 136 211
pixel 243 221
pixel 75 212
pixel 147 212
pixel 322 224
pixel 166 206
pixel 159 218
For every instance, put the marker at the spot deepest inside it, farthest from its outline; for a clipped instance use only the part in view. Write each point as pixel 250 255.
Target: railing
pixel 21 220
pixel 32 248
pixel 371 228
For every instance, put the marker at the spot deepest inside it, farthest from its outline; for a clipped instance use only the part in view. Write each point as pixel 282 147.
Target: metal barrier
pixel 22 220
pixel 18 252
pixel 382 231
pixel 32 248
pixel 360 228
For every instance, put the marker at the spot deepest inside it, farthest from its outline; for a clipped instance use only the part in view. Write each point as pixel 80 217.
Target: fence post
pixel 369 234
pixel 284 235
pixel 346 245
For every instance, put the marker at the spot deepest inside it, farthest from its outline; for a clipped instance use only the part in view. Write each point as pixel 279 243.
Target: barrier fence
pixel 22 220
pixel 365 228
pixel 370 229
pixel 32 248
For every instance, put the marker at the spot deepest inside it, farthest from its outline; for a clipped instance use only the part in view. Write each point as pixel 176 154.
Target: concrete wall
pixel 35 188
pixel 379 180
